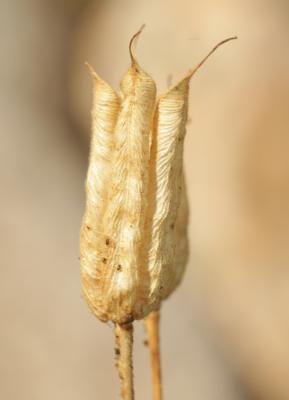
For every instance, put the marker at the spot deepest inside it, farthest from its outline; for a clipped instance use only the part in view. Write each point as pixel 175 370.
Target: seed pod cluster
pixel 134 244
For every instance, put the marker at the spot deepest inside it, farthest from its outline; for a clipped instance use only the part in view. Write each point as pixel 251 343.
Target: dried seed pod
pixel 166 190
pixel 134 244
pixel 113 277
pixel 105 109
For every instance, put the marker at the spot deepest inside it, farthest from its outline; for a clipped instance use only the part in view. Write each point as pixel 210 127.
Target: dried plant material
pixel 134 243
pixel 180 236
pixel 113 276
pixel 152 325
pixel 166 187
pixel 123 351
pixel 105 109
pixel 131 254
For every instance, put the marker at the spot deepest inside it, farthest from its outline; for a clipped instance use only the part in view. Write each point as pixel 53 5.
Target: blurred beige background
pixel 225 331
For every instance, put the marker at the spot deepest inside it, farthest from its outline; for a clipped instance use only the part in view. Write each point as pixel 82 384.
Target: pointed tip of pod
pixel 198 66
pixel 90 69
pixel 185 81
pixel 92 72
pixel 136 76
pixel 132 42
pixel 97 80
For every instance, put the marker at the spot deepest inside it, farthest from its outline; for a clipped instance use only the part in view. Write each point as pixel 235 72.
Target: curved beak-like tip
pixel 132 42
pixel 192 72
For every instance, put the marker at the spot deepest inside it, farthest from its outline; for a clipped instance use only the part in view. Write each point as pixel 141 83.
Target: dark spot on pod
pixel 107 241
pixel 161 287
pixel 117 351
pixel 118 268
pixel 88 227
pixel 172 226
pixel 145 342
pixel 104 260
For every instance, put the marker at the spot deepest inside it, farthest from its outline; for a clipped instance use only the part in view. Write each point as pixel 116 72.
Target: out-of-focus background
pixel 225 331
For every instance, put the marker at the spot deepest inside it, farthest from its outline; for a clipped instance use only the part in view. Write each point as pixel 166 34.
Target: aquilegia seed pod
pixel 134 244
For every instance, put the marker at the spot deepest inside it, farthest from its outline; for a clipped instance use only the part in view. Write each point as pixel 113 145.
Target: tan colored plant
pixel 134 244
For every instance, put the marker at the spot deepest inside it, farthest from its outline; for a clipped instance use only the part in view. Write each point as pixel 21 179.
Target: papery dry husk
pixel 134 244
pixel 129 249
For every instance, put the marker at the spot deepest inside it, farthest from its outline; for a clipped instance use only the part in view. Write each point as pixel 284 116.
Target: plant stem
pixel 123 351
pixel 152 326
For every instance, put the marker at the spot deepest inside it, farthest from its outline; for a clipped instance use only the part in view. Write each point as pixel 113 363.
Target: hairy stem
pixel 152 326
pixel 123 351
